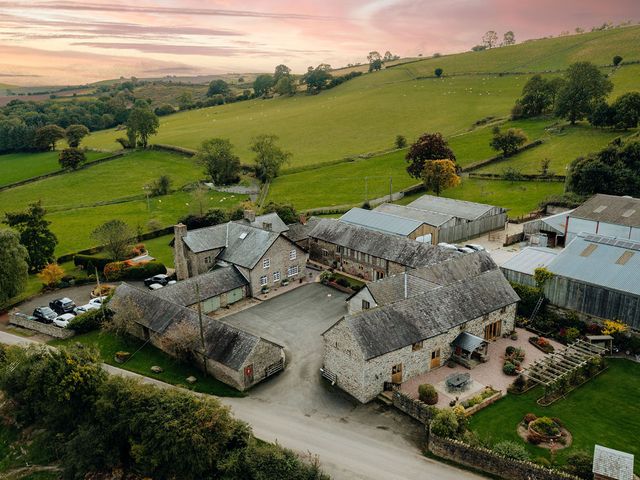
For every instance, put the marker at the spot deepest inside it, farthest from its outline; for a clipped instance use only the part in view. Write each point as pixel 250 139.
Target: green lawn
pixel 15 167
pixel 160 249
pixel 604 411
pixel 141 362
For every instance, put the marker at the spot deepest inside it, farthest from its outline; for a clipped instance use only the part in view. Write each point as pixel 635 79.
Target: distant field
pixel 15 167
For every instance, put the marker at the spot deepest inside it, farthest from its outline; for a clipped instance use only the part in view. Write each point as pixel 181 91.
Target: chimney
pixel 179 258
pixel 303 218
pixel 250 215
pixel 406 286
pixel 267 226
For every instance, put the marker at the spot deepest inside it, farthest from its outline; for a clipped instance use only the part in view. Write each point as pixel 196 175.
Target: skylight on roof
pixel 243 235
pixel 628 213
pixel 600 209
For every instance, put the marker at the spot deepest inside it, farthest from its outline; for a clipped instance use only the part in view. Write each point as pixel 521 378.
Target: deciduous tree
pixel 430 146
pixel 508 141
pixel 71 158
pixel 269 156
pixel 116 236
pixel 47 137
pixel 15 269
pixel 219 161
pixel 317 78
pixel 286 85
pixel 438 72
pixel 509 38
pixel 585 88
pixel 400 142
pixel 616 60
pixel 279 72
pixel 51 274
pixel 286 212
pixel 438 175
pixel 35 235
pixel 141 124
pixel 626 110
pixel 74 134
pixel 490 39
pixel 218 87
pixel 262 84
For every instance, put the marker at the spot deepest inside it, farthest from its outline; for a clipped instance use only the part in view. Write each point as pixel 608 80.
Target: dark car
pixel 62 305
pixel 44 314
pixel 160 279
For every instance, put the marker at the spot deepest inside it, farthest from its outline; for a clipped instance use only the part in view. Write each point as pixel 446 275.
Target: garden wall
pixel 490 462
pixel 23 321
pixel 485 403
pixel 414 408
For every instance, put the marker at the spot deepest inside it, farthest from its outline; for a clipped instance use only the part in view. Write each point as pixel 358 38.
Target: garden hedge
pixel 88 322
pixel 88 260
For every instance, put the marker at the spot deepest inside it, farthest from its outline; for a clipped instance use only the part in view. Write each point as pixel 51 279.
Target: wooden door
pixel 435 358
pixel 493 330
pixel 396 374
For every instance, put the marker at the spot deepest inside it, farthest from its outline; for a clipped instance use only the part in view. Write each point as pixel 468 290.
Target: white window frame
pixel 264 280
pixel 266 263
pixel 293 270
pixel 293 254
pixel 276 277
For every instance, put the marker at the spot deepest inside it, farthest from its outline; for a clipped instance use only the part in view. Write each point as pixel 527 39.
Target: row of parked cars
pixel 62 310
pixel 468 248
pixel 158 281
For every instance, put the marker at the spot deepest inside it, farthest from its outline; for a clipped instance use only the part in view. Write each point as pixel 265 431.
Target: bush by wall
pixel 125 271
pixel 88 322
pixel 89 262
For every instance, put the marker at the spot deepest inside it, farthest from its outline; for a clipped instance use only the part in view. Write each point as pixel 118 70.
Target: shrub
pixel 571 334
pixel 427 394
pixel 445 423
pixel 579 463
pixel 51 274
pixel 88 322
pixel 511 450
pixel 533 439
pixel 509 368
pixel 509 350
pixel 518 385
pixel 114 271
pixel 529 417
pixel 545 426
pixel 343 282
pixel 139 271
pixel 528 298
pixel 88 262
pixel 137 250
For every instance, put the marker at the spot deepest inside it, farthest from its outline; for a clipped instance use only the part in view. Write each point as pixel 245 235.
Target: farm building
pixel 391 224
pixel 212 290
pixel 607 215
pixel 547 232
pixel 450 220
pixel 378 349
pixel 264 257
pixel 369 254
pixel 415 282
pixel 233 356
pixel 594 275
pixel 270 221
pixel 298 233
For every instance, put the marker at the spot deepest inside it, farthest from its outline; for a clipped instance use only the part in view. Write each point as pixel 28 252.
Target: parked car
pixel 63 320
pixel 447 246
pixel 155 286
pixel 62 305
pixel 161 279
pixel 44 314
pixel 98 301
pixel 476 247
pixel 85 308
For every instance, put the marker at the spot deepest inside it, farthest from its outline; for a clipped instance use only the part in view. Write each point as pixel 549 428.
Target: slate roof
pixel 245 245
pixel 457 268
pixel 301 231
pixel 396 249
pixel 211 284
pixel 530 258
pixel 610 209
pixel 381 222
pixel 277 225
pixel 603 261
pixel 225 344
pixel 391 289
pixel 613 463
pixel 450 206
pixel 434 219
pixel 385 329
pixel 468 342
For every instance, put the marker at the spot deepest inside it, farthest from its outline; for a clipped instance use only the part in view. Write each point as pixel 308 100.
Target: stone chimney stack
pixel 179 255
pixel 250 215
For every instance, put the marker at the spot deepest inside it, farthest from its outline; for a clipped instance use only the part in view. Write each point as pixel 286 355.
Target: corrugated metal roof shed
pixel 529 259
pixel 434 219
pixel 450 206
pixel 613 463
pixel 604 261
pixel 381 222
pixel 610 209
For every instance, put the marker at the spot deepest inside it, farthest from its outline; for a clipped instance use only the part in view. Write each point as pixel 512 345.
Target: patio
pixel 483 375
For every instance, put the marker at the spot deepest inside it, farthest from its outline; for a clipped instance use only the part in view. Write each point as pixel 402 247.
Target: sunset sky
pixel 55 42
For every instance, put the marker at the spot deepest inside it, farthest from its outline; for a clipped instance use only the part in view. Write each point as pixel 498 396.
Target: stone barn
pixel 378 349
pixel 233 356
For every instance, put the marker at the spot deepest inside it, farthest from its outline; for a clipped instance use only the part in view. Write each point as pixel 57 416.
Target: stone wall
pixel 23 321
pixel 414 408
pixel 490 462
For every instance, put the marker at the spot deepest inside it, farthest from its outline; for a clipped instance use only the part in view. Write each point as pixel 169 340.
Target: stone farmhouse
pixel 213 290
pixel 299 232
pixel 594 275
pixel 264 257
pixel 369 254
pixel 268 221
pixel 448 220
pixel 391 224
pixel 233 356
pixel 377 349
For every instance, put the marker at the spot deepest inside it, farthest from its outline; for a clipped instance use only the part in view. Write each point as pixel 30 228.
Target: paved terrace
pixel 483 375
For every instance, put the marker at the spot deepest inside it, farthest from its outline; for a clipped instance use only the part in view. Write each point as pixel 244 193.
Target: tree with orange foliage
pixel 438 175
pixel 51 274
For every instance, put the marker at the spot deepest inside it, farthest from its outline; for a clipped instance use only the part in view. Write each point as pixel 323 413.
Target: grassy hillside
pixel 15 167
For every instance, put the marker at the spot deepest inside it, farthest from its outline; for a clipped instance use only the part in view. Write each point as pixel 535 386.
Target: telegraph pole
pixel 390 189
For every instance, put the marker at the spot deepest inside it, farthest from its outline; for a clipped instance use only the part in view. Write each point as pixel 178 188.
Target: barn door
pixel 396 374
pixel 435 358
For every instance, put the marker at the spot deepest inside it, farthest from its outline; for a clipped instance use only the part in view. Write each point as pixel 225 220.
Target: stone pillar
pixel 179 258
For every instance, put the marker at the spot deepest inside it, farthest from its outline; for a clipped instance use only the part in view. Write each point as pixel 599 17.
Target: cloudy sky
pixel 78 41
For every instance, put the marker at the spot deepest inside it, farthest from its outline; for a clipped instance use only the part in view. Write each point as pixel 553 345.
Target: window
pixel 416 346
pixel 435 354
pixel 293 254
pixel 276 277
pixel 365 305
pixel 207 260
pixel 325 252
pixel 266 263
pixel 291 271
pixel 503 309
pixel 263 280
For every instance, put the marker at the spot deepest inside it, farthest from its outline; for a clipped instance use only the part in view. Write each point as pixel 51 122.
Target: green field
pixel 15 167
pixel 604 411
pixel 80 201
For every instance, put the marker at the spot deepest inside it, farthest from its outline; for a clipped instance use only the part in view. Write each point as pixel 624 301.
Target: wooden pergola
pixel 554 366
